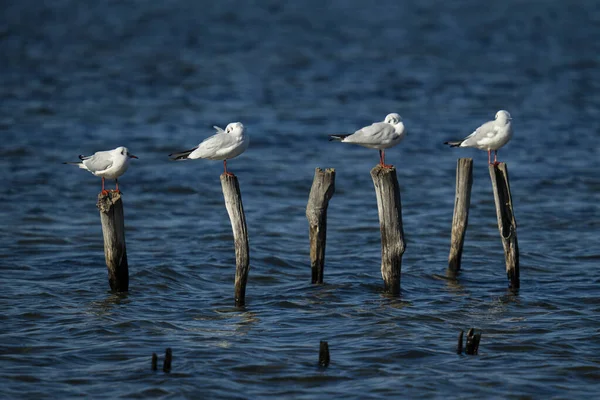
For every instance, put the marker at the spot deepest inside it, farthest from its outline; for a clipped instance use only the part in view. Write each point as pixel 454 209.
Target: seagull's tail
pixel 454 144
pixel 339 138
pixel 182 155
pixel 79 164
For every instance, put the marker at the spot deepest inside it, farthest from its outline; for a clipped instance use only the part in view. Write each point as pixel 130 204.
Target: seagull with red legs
pixel 224 145
pixel 379 135
pixel 490 136
pixel 110 164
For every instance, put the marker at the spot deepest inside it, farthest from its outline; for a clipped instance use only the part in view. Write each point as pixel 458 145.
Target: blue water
pixel 81 76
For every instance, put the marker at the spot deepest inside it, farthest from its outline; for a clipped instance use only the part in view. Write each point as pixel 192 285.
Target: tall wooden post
pixel 506 221
pixel 113 230
pixel 390 221
pixel 462 200
pixel 235 209
pixel 321 192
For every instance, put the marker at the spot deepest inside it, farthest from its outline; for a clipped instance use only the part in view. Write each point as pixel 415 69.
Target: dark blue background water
pixel 82 76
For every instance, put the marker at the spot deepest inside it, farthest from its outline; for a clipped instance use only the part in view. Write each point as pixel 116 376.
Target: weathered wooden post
pixel 506 221
pixel 168 360
pixel 462 200
pixel 472 342
pixel 321 192
pixel 235 209
pixel 154 362
pixel 113 230
pixel 390 221
pixel 324 354
pixel 459 347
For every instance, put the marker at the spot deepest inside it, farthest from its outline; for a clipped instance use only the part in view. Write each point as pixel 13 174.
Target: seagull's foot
pixel 387 166
pixel 229 174
pixel 495 163
pixel 104 192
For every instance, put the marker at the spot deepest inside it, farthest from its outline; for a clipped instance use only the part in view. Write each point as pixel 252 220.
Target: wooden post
pixel 459 347
pixel 472 343
pixel 154 362
pixel 390 221
pixel 462 200
pixel 168 360
pixel 506 221
pixel 235 209
pixel 321 192
pixel 113 230
pixel 324 354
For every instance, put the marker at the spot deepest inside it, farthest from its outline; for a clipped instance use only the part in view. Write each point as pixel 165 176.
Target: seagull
pixel 379 135
pixel 224 145
pixel 490 136
pixel 110 164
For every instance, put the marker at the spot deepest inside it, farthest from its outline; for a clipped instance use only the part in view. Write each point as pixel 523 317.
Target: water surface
pixel 82 76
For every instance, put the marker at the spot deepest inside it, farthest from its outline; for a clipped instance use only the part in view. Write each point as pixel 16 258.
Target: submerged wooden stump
pixel 390 221
pixel 506 221
pixel 235 209
pixel 460 219
pixel 324 358
pixel 321 192
pixel 168 360
pixel 113 230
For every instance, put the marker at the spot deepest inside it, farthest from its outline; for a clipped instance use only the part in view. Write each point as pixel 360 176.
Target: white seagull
pixel 224 145
pixel 110 164
pixel 490 136
pixel 379 135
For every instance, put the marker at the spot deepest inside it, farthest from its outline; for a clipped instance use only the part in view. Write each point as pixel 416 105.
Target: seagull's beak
pixel 132 156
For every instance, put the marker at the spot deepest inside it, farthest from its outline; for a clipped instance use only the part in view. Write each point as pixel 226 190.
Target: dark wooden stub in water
pixel 113 231
pixel 472 342
pixel 506 221
pixel 324 354
pixel 321 192
pixel 390 221
pixel 168 360
pixel 235 209
pixel 460 219
pixel 154 362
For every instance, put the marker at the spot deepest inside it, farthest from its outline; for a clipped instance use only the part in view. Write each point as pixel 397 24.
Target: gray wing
pixel 211 145
pixel 487 130
pixel 373 134
pixel 100 161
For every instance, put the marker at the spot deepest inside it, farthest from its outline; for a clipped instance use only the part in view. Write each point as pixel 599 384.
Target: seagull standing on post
pixel 490 136
pixel 379 135
pixel 110 164
pixel 224 145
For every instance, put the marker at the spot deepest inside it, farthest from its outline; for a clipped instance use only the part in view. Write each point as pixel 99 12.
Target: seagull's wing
pixel 484 132
pixel 374 134
pixel 100 161
pixel 211 145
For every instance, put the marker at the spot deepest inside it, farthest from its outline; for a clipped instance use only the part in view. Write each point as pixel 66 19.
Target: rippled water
pixel 81 76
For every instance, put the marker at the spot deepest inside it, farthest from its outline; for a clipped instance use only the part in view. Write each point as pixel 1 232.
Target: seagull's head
pixel 124 152
pixel 393 118
pixel 235 128
pixel 503 116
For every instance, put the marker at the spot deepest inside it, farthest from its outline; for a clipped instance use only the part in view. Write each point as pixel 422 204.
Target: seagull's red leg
pixel 104 192
pixel 489 156
pixel 496 157
pixel 382 159
pixel 117 184
pixel 225 165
